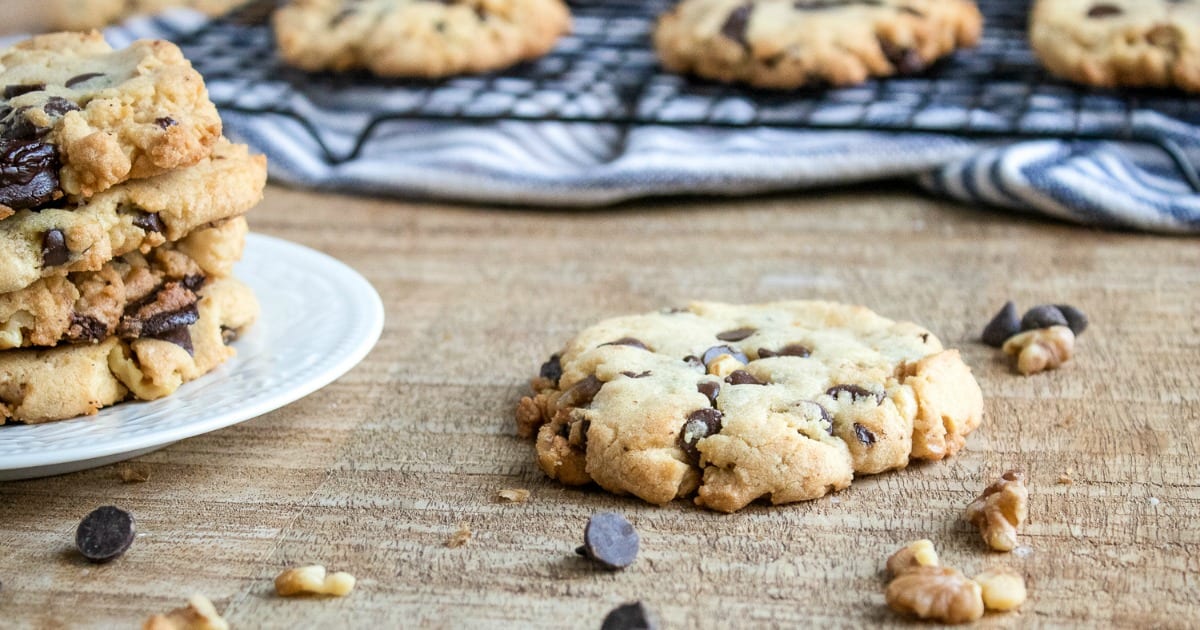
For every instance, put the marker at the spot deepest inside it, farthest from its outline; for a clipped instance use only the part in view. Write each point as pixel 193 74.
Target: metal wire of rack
pixel 606 71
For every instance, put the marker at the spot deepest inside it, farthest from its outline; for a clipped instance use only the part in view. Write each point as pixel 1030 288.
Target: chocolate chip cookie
pixel 81 15
pixel 784 401
pixel 41 385
pixel 1112 43
pixel 417 38
pixel 134 216
pixel 130 296
pixel 791 43
pixel 77 117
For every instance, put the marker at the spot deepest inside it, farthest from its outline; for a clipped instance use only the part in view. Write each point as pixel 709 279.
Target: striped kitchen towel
pixel 1091 182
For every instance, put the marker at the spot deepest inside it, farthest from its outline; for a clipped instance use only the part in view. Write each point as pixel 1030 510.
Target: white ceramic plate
pixel 319 319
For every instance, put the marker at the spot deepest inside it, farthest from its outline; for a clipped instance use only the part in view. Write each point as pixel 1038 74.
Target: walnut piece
pixel 938 593
pixel 1041 349
pixel 918 553
pixel 199 614
pixel 313 580
pixel 460 537
pixel 513 495
pixel 1001 510
pixel 1003 588
pixel 724 365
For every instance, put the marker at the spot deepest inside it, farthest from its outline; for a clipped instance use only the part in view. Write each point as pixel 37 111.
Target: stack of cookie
pixel 120 220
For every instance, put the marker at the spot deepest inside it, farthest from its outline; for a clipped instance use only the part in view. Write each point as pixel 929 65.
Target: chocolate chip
pixel 1004 325
pixel 820 411
pixel 229 335
pixel 86 328
pixel 864 434
pixel 81 78
pixel 634 616
pixel 552 369
pixel 736 334
pixel 742 377
pixel 627 341
pixel 162 323
pixel 28 174
pixel 193 281
pixel 180 336
pixel 710 389
pixel 694 362
pixel 712 353
pixel 904 59
pixel 636 374
pixel 149 221
pixel 1104 10
pixel 581 393
pixel 19 128
pixel 790 350
pixel 610 540
pixel 1043 316
pixel 700 424
pixel 735 25
pixel 57 106
pixel 856 392
pixel 165 122
pixel 54 249
pixel 1076 319
pixel 105 534
pixel 13 91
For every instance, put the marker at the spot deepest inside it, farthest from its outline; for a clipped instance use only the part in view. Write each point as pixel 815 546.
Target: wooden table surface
pixel 375 472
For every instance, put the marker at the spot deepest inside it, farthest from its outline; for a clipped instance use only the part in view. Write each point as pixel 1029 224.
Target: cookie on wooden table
pixel 417 38
pixel 784 401
pixel 134 216
pixel 1114 43
pixel 77 117
pixel 792 43
pixel 41 385
pixel 78 15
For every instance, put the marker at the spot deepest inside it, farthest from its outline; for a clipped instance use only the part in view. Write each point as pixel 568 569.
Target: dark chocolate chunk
pixel 552 369
pixel 610 540
pixel 742 377
pixel 1076 319
pixel 57 106
pixel 712 353
pixel 904 59
pixel 856 392
pixel 180 336
pixel 632 374
pixel 28 174
pixel 229 335
pixel 105 534
pixel 633 616
pixel 18 127
pixel 81 78
pixel 700 424
pixel 736 334
pixel 627 341
pixel 54 249
pixel 162 323
pixel 1004 325
pixel 864 434
pixel 1043 316
pixel 790 350
pixel 736 24
pixel 165 122
pixel 86 328
pixel 711 389
pixel 13 91
pixel 193 281
pixel 1104 10
pixel 581 393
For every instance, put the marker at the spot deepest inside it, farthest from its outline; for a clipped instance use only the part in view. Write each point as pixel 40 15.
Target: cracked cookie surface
pixel 77 117
pixel 41 385
pixel 417 38
pixel 784 401
pixel 134 216
pixel 792 43
pixel 130 296
pixel 78 15
pixel 1112 43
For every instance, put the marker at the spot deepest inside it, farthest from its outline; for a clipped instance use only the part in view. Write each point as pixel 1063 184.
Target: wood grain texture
pixel 374 473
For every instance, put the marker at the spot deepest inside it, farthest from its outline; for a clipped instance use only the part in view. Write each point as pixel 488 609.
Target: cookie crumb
pixel 313 580
pixel 1064 479
pixel 460 538
pixel 133 473
pixel 199 614
pixel 513 495
pixel 1001 510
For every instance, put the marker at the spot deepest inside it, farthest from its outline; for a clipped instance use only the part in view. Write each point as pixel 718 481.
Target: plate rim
pixel 282 398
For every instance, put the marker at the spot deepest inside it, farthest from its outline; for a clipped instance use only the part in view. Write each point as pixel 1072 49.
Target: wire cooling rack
pixel 606 72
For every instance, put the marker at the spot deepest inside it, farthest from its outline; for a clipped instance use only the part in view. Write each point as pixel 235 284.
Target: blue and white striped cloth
pixel 1097 183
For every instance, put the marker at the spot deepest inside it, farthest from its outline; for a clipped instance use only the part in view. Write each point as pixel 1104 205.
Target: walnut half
pixel 1001 510
pixel 938 593
pixel 1041 349
pixel 1003 588
pixel 918 553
